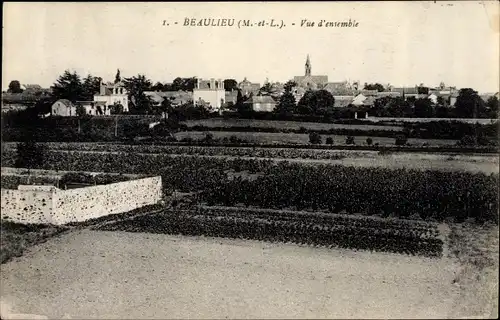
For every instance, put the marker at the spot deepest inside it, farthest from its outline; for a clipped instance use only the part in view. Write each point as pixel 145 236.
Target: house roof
pixel 66 102
pixel 409 90
pixel 95 103
pixel 260 99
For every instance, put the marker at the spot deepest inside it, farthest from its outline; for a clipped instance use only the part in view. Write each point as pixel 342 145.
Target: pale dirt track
pixel 96 274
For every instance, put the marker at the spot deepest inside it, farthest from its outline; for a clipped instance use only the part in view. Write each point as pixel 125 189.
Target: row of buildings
pixel 213 94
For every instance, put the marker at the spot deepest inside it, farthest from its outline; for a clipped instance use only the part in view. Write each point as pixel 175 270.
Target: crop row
pixel 198 150
pixel 245 225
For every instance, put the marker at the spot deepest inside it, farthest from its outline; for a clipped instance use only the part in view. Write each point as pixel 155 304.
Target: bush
pixel 401 140
pixel 369 141
pixel 329 140
pixel 314 138
pixel 349 140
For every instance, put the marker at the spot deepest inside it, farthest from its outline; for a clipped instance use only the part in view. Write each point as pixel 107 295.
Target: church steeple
pixel 308 66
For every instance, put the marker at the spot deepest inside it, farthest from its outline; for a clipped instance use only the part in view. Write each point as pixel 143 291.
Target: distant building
pixel 320 82
pixel 248 87
pixel 342 101
pixel 113 93
pixel 210 92
pixel 176 98
pixel 65 108
pixel 261 103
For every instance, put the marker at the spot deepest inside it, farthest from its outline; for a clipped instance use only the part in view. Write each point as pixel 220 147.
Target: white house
pixel 262 103
pixel 63 108
pixel 211 92
pixel 66 108
pixel 113 93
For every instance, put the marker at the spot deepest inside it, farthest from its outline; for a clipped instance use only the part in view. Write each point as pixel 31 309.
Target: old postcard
pixel 229 160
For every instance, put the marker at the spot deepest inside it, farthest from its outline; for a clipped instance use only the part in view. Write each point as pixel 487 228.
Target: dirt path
pixel 95 274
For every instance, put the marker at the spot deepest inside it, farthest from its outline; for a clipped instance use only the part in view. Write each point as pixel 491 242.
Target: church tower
pixel 308 66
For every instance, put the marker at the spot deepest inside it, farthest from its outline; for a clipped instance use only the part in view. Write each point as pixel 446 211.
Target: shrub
pixel 369 141
pixel 314 138
pixel 329 140
pixel 349 140
pixel 401 140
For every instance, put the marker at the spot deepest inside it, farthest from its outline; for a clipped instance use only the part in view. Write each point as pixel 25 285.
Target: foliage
pixel 374 86
pixel 230 84
pixel 318 102
pixel 90 86
pixel 314 138
pixel 329 140
pixel 68 86
pixel 492 104
pixel 469 104
pixel 423 108
pixel 118 78
pixel 184 84
pixel 366 233
pixel 369 141
pixel 141 104
pixel 30 155
pixel 80 111
pixel 286 105
pixel 14 87
pixel 401 140
pixel 349 140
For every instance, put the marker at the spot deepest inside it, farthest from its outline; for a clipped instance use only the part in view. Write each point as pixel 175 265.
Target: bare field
pixel 134 275
pixel 297 138
pixel 280 124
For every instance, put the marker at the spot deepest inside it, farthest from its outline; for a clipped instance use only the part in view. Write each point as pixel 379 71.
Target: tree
pixel 423 108
pixel 230 84
pixel 314 138
pixel 318 102
pixel 68 86
pixel 185 84
pixel 116 108
pixel 329 140
pixel 286 105
pixel 369 141
pixel 289 85
pixel 374 86
pixel 91 85
pixel 14 87
pixel 158 87
pixel 118 78
pixel 265 90
pixel 136 86
pixel 165 107
pixel 492 104
pixel 349 140
pixel 469 104
pixel 80 111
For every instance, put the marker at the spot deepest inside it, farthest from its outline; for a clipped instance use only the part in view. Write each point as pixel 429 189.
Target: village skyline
pixel 403 44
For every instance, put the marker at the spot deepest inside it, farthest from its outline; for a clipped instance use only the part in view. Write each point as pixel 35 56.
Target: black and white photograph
pixel 250 160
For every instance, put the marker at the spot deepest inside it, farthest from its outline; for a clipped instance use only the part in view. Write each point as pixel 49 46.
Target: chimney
pixel 102 90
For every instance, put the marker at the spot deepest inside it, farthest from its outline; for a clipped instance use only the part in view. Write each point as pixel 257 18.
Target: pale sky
pixel 401 43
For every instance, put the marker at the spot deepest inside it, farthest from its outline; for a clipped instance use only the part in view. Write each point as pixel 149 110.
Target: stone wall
pixel 47 204
pixel 28 204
